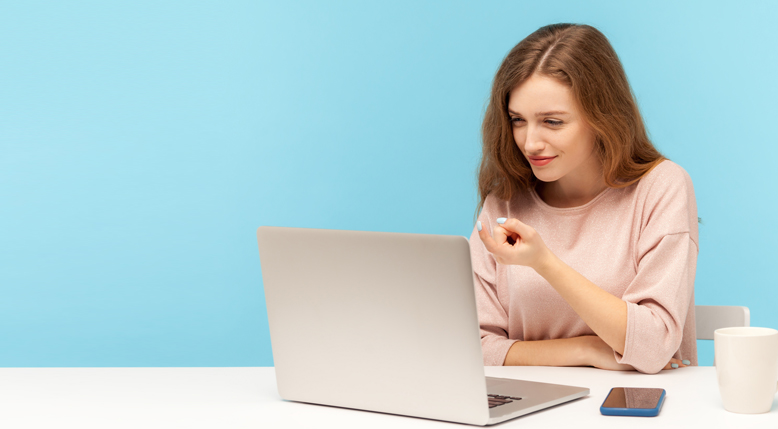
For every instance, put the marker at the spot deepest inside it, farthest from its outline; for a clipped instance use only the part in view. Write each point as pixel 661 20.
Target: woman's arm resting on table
pixel 588 350
pixel 576 351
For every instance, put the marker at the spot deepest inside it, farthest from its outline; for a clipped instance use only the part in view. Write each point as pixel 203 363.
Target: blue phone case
pixel 638 412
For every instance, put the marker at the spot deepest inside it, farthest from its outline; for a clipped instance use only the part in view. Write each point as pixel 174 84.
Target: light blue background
pixel 142 143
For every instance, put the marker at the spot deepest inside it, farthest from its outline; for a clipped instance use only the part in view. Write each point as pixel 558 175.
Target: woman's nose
pixel 533 143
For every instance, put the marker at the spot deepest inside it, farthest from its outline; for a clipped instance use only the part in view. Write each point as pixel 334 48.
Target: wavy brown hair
pixel 580 57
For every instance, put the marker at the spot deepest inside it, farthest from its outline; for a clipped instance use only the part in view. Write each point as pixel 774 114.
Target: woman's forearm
pixel 604 313
pixel 588 350
pixel 560 352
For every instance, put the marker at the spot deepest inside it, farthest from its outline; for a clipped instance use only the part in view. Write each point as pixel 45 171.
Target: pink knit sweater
pixel 639 243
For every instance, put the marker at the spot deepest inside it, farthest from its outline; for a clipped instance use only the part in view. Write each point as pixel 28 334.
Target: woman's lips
pixel 540 160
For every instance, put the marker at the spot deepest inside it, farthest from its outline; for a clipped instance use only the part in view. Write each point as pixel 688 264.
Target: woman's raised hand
pixel 514 243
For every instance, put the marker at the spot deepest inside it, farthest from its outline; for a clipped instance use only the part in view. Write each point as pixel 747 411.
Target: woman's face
pixel 550 131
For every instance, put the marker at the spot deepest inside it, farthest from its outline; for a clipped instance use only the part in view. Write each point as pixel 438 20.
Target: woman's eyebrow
pixel 553 112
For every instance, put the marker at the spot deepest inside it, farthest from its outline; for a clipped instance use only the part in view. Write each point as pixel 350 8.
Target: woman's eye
pixel 554 123
pixel 516 120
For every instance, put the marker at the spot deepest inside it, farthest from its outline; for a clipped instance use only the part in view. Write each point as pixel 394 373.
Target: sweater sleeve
pixel 492 314
pixel 659 296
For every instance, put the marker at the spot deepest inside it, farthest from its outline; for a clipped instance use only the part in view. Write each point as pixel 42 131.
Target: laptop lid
pixel 374 321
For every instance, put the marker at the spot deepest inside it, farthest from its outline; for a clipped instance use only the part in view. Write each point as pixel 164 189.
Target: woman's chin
pixel 544 176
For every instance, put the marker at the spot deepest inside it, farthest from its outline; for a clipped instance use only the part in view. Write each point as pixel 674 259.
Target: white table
pixel 247 398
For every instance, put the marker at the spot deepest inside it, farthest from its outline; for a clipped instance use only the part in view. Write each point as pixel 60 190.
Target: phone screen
pixel 633 397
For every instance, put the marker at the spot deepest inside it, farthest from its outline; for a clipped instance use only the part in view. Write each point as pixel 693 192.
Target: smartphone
pixel 633 401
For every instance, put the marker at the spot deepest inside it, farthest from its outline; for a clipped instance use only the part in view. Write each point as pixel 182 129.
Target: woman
pixel 593 246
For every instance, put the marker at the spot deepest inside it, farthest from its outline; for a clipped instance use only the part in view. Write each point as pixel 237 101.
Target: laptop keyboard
pixel 497 400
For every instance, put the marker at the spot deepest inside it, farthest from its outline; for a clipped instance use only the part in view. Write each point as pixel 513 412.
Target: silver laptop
pixel 385 322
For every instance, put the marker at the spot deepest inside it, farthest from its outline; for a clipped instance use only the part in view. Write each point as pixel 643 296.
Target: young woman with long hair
pixel 586 244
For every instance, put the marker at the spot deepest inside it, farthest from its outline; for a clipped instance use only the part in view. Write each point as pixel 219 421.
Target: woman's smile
pixel 539 161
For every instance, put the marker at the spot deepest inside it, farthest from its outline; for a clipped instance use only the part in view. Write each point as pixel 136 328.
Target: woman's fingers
pixel 497 244
pixel 487 239
pixel 675 363
pixel 516 226
pixel 493 242
pixel 500 235
pixel 507 243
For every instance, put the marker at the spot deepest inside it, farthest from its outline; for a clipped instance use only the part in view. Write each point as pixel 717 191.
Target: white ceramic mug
pixel 747 368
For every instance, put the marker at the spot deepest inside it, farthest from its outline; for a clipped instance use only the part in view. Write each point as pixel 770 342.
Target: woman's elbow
pixel 649 367
pixel 652 360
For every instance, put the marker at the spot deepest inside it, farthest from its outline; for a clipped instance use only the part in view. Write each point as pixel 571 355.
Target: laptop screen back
pixel 374 321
